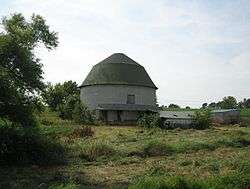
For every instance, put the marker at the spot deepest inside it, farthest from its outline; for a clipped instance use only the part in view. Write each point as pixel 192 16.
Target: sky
pixel 195 51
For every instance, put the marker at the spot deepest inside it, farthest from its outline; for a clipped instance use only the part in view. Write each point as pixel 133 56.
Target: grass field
pixel 245 112
pixel 119 156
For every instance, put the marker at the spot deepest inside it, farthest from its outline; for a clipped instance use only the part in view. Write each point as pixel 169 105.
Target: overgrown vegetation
pixel 202 119
pixel 112 156
pixel 27 146
pixel 82 132
pixel 65 99
pixel 149 120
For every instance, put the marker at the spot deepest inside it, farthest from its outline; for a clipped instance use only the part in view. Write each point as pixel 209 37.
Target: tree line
pixel 228 102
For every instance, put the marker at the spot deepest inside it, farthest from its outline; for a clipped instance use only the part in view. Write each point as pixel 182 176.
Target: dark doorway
pixel 119 112
pixel 105 116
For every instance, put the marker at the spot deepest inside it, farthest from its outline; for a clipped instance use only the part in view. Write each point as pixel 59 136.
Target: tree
pixel 204 105
pixel 57 95
pixel 81 114
pixel 247 103
pixel 244 104
pixel 20 70
pixel 202 119
pixel 212 105
pixel 228 102
pixel 173 106
pixel 66 109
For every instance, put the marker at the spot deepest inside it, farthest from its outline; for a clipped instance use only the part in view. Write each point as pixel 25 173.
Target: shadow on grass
pixel 45 177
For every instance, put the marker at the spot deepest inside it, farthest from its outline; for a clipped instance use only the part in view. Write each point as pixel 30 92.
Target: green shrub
pixel 202 119
pixel 149 120
pixel 93 151
pixel 74 109
pixel 66 109
pixel 81 114
pixel 157 148
pixel 19 146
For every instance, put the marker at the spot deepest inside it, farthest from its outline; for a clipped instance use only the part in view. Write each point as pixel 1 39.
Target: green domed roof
pixel 118 69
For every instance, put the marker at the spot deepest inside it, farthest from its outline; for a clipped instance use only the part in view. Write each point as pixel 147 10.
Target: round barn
pixel 119 89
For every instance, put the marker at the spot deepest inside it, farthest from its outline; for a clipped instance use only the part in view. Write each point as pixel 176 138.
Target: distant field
pixel 180 109
pixel 245 112
pixel 119 156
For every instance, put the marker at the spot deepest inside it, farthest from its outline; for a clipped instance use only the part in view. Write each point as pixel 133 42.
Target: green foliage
pixel 81 114
pixel 65 99
pixel 212 105
pixel 57 95
pixel 174 106
pixel 20 70
pixel 66 109
pixel 50 118
pixel 19 146
pixel 149 120
pixel 202 119
pixel 228 102
pixel 204 105
pixel 245 112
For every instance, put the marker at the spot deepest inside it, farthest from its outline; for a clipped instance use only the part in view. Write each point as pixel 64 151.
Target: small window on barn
pixel 131 99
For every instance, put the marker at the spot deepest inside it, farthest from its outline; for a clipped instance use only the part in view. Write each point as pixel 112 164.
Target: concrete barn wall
pixel 116 94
